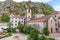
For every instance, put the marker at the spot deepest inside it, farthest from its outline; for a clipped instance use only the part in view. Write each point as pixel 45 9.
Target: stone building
pixel 51 25
pixel 54 23
pixel 38 23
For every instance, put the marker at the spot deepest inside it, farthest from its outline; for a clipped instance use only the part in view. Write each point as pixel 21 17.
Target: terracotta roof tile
pixel 41 19
pixel 17 16
pixel 55 13
pixel 36 21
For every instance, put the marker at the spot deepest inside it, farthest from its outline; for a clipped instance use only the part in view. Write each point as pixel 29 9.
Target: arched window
pixel 51 30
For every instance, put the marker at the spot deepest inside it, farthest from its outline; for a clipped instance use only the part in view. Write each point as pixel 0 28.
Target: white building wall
pixel 15 21
pixel 3 25
pixel 21 20
pixel 38 25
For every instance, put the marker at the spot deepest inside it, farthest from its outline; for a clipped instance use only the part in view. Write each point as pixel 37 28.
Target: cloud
pixel 31 0
pixel 2 0
pixel 57 8
pixel 41 0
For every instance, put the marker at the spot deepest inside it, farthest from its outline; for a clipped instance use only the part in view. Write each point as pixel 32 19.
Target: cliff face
pixel 20 8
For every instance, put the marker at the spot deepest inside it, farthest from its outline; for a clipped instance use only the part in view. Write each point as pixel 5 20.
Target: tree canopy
pixel 5 17
pixel 45 31
pixel 33 34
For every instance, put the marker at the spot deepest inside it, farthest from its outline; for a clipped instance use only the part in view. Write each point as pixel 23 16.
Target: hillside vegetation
pixel 20 8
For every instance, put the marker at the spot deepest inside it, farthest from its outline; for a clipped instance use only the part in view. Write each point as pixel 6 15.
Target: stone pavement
pixel 55 35
pixel 20 36
pixel 16 37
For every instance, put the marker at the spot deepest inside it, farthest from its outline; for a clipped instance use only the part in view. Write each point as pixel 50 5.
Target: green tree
pixel 14 30
pixel 21 27
pixel 33 34
pixel 5 17
pixel 24 29
pixel 22 14
pixel 41 38
pixel 27 29
pixel 10 30
pixel 45 31
pixel 46 9
pixel 51 39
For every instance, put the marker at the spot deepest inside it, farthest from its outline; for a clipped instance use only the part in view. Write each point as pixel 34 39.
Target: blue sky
pixel 54 3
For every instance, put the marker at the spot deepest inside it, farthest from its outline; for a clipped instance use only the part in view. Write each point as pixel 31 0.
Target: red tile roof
pixel 36 21
pixel 55 13
pixel 16 16
pixel 41 19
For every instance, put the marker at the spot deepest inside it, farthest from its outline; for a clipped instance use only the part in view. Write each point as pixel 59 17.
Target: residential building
pixel 3 26
pixel 16 20
pixel 38 15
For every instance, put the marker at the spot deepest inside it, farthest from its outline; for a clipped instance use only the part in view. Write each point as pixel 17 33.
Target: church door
pixel 51 30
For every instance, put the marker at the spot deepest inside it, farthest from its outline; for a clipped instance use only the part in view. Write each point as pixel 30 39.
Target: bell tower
pixel 28 14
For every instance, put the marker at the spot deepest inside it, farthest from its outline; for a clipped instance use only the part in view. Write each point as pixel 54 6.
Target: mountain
pixel 10 6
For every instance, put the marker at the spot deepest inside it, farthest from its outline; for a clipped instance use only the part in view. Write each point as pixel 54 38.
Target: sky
pixel 54 3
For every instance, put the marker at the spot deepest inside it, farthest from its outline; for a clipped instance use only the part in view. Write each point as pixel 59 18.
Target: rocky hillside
pixel 10 6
